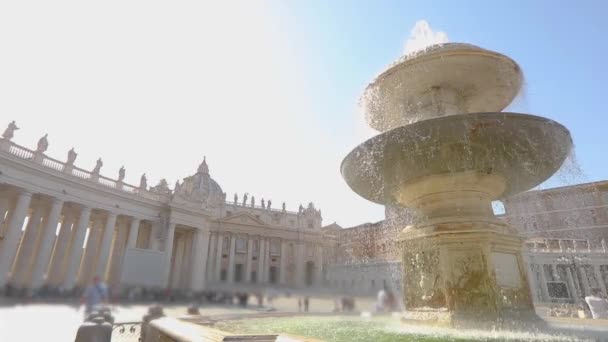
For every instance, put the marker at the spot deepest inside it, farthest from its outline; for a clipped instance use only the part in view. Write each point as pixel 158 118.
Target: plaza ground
pixel 59 322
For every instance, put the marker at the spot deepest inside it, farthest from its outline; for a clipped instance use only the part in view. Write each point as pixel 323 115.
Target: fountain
pixel 446 152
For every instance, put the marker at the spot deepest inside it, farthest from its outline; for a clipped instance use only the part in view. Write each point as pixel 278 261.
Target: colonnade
pixel 566 277
pixel 43 241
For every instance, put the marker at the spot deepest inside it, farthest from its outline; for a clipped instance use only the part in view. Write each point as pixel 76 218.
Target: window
pixel 373 284
pixel 241 245
pixel 275 248
pixel 256 245
pixel 223 275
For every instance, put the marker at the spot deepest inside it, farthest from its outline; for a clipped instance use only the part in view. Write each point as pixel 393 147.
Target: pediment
pixel 243 218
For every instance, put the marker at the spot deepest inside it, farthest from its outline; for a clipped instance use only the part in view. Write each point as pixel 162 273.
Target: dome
pixel 201 188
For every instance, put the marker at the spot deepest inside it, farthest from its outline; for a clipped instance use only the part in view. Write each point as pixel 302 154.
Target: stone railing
pixel 40 158
pixel 59 166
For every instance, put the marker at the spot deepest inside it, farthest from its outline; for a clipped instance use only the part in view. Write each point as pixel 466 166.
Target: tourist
pixel 381 300
pixel 305 304
pixel 94 295
pixel 299 304
pixel 597 304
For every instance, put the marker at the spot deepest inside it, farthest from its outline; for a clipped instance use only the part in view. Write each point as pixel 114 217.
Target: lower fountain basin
pixel 382 328
pixel 522 149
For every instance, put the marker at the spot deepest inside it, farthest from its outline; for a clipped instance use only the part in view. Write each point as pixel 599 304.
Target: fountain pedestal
pixel 460 263
pixel 467 273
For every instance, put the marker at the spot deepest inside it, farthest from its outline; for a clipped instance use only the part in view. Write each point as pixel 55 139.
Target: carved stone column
pixel 76 248
pixel 186 271
pixel 61 251
pixel 133 230
pixel 199 262
pixel 23 259
pixel 46 244
pixel 168 253
pixel 248 262
pixel 319 266
pixel 176 270
pixel 106 241
pixel 300 261
pixel 117 254
pixel 284 260
pixel 231 259
pixel 600 280
pixel 218 257
pixel 261 260
pixel 11 237
pixel 91 252
pixel 210 275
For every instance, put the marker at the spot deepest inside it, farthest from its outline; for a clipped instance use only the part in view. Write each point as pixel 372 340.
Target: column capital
pixel 25 193
pixel 111 213
pixel 56 201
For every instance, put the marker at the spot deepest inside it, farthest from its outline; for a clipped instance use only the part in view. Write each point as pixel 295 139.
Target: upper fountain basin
pixel 522 149
pixel 445 79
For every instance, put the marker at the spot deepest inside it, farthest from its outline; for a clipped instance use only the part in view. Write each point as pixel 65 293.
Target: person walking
pixel 94 295
pixel 305 304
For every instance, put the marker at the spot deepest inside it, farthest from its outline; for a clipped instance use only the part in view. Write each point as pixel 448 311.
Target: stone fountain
pixel 446 151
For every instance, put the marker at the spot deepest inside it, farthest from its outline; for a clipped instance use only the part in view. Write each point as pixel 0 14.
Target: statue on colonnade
pixel 71 156
pixel 9 132
pixel 43 144
pixel 121 173
pixel 98 166
pixel 143 182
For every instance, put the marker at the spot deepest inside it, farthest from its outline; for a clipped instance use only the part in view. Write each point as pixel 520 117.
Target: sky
pixel 268 90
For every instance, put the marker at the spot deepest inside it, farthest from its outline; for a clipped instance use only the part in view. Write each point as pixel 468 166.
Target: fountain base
pixel 465 274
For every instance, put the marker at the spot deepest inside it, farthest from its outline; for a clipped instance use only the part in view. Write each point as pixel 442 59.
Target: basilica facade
pixel 61 225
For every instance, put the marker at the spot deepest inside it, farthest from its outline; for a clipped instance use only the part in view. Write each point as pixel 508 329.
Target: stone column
pixel 300 261
pixel 231 259
pixel 248 261
pixel 544 291
pixel 186 275
pixel 4 205
pixel 153 241
pixel 90 254
pixel 11 237
pixel 104 250
pixel 600 280
pixel 46 244
pixel 201 248
pixel 133 230
pixel 60 251
pixel 211 257
pixel 319 266
pixel 178 262
pixel 261 259
pixel 23 258
pixel 218 257
pixel 117 253
pixel 572 285
pixel 284 259
pixel 267 261
pixel 76 248
pixel 168 252
pixel 583 274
